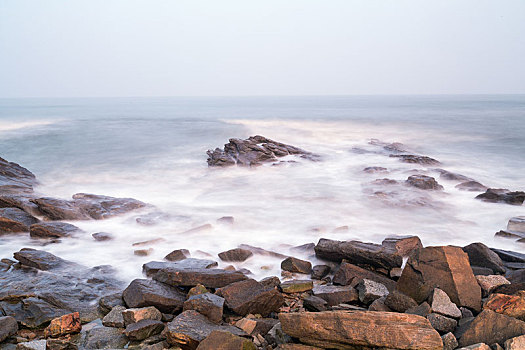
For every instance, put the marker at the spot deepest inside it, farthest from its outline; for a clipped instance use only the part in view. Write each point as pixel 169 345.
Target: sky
pixel 104 48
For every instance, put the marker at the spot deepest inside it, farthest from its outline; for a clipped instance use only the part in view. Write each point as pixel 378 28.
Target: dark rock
pixel 8 327
pixel 152 267
pixel 114 318
pixel 296 265
pixel 349 274
pixel 52 230
pixel 296 286
pixel 143 329
pixel 277 336
pixel 60 344
pixel 416 159
pixel 510 256
pixel 449 341
pixel 516 224
pixel 210 278
pixel 447 175
pixel 226 220
pixel 250 296
pixel 15 220
pixel 210 305
pixel 178 254
pixel 32 312
pixel 315 304
pixel 399 302
pixel 142 293
pixel 39 259
pixel 491 327
pixel 15 178
pixel 441 323
pixel 510 288
pixel 135 315
pixel 424 182
pixel 379 305
pixel 375 169
pixel 514 266
pixel 103 338
pixel 502 195
pixel 320 271
pixel 256 326
pixel 370 290
pixel 237 254
pixel 481 255
pixel 516 276
pixel 510 235
pixel 473 186
pixel 261 251
pixel 270 282
pixel 422 310
pixel 108 302
pixel 335 295
pixel 254 151
pixel 223 340
pixel 102 236
pixel 481 271
pixel 20 201
pixel 304 248
pixel 465 313
pixel 446 268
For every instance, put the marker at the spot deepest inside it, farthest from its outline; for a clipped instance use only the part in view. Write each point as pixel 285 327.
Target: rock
pixel 465 312
pixel 60 344
pixel 399 302
pixel 102 236
pixel 491 282
pixel 143 329
pixel 503 196
pixel 15 220
pixel 416 159
pixel 479 346
pixel 138 314
pixel 178 254
pixel 315 304
pixel 304 248
pixel 15 178
pixel 447 175
pixel 254 151
pixel 297 347
pixel 510 289
pixel 296 265
pixel 446 268
pixel 472 186
pixel 237 254
pixel 210 278
pixel 221 340
pixel 103 338
pixel 516 224
pixel 361 329
pixel 375 169
pixel 491 327
pixel 481 255
pixel 441 304
pixel 516 343
pixel 114 318
pixel 514 266
pixel 387 255
pixel 509 305
pixel 148 242
pixel 422 309
pixel 32 345
pixel 423 182
pixel 517 276
pixel 277 336
pixel 152 267
pixel 250 296
pixel 481 271
pixel 52 230
pixel 39 259
pixel 320 271
pixel 510 235
pixel 296 286
pixel 349 274
pixel 510 256
pixel 379 305
pixel 143 252
pixel 254 326
pixel 229 220
pixel 108 302
pixel 189 328
pixel 198 289
pixel 449 341
pixel 261 251
pixel 8 327
pixel 370 291
pixel 142 293
pixel 441 323
pixel 335 295
pixel 210 305
pixel 270 282
pixel 67 324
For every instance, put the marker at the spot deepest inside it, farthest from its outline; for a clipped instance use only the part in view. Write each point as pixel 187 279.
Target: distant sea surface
pixel 154 149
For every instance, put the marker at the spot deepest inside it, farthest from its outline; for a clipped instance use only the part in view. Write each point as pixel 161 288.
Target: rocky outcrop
pixel 424 182
pixel 254 151
pixel 502 196
pixel 15 220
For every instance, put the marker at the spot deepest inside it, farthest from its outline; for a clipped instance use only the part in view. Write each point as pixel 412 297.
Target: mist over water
pixel 154 150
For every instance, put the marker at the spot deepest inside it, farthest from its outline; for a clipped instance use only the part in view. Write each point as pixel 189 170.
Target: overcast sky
pixel 73 48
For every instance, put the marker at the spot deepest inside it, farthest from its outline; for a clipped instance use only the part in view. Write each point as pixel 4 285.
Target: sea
pixel 154 150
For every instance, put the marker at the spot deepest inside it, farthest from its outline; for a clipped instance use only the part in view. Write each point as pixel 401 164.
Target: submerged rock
pixel 472 186
pixel 503 196
pixel 424 182
pixel 15 220
pixel 237 254
pixel 416 159
pixel 516 224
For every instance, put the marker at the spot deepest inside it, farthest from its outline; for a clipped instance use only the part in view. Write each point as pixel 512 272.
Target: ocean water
pixel 154 149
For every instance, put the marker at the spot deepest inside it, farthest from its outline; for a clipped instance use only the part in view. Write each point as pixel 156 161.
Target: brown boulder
pixel 490 327
pixel 142 293
pixel 67 324
pixel 237 254
pixel 250 296
pixel 221 340
pixel 335 295
pixel 424 182
pixel 15 220
pixel 210 278
pixel 292 264
pixel 178 254
pixel 143 329
pixel 52 230
pixel 210 305
pixel 509 305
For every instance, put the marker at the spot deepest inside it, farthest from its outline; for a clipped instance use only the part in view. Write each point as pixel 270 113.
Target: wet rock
pixel 320 271
pixel 8 327
pixel 296 265
pixel 102 236
pixel 447 175
pixel 441 304
pixel 361 329
pixel 254 151
pixel 153 267
pixel 509 235
pixel 481 271
pixel 509 305
pixel 516 224
pixel 250 296
pixel 422 309
pixel 189 328
pixel 52 230
pixel 270 282
pixel 349 274
pixel 446 268
pixel 15 220
pixel 472 186
pixel 335 295
pixel 138 314
pixel 387 255
pixel 449 341
pixel 515 343
pixel 296 286
pixel 254 326
pixel 491 327
pixel 143 293
pixel 63 325
pixel 210 278
pixel 210 305
pixel 375 169
pixel 114 318
pixel 399 302
pixel 304 248
pixel 370 291
pixel 229 220
pixel 108 302
pixel 441 323
pixel 32 345
pixel 502 196
pixel 221 340
pixel 315 304
pixel 143 329
pixel 481 255
pixel 491 282
pixel 15 178
pixel 60 344
pixel 424 182
pixel 178 254
pixel 261 251
pixel 237 254
pixel 143 252
pixel 416 159
pixel 510 256
pixel 198 289
pixel 510 289
pixel 39 259
pixel 103 338
pixel 514 266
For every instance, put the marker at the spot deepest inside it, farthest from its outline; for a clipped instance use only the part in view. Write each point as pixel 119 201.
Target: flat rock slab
pixel 52 230
pixel 221 340
pixel 296 286
pixel 335 295
pixel 510 256
pixel 41 260
pixel 15 220
pixel 210 305
pixel 340 329
pixel 210 278
pixel 152 267
pixel 237 254
pixel 292 264
pixel 349 274
pixel 143 293
pixel 498 195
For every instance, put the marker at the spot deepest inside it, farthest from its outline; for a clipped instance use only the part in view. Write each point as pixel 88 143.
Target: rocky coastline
pixel 395 295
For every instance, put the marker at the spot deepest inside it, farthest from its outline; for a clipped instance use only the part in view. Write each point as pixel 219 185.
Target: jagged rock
pixel 416 159
pixel 441 304
pixel 142 293
pixel 320 271
pixel 237 254
pixel 210 278
pixel 178 254
pixel 15 178
pixel 481 255
pixel 491 282
pixel 277 336
pixel 152 267
pixel 349 274
pixel 52 230
pixel 103 338
pixel 198 289
pixel 39 259
pixel 8 327
pixel 516 343
pixel 15 220
pixel 491 327
pixel 108 302
pixel 510 289
pixel 32 345
pixel 296 286
pixel 255 326
pixel 270 282
pixel 221 340
pixel 442 323
pixel 509 305
pixel 399 302
pixel 67 324
pixel 60 344
pixel 422 309
pixel 210 305
pixel 449 341
pixel 296 265
pixel 361 329
pixel 254 151
pixel 138 314
pixel 335 295
pixel 114 318
pixel 446 268
pixel 423 182
pixel 502 195
pixel 370 291
pixel 472 186
pixel 250 296
pixel 510 256
pixel 143 329
pixel 313 303
pixel 379 305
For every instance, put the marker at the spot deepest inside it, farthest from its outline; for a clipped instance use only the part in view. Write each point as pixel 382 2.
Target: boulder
pixel 63 325
pixel 237 254
pixel 15 220
pixel 114 318
pixel 481 255
pixel 320 271
pixel 516 276
pixel 388 255
pixel 481 271
pixel 178 254
pixel 39 259
pixel 210 278
pixel 472 186
pixel 32 345
pixel 502 196
pixel 142 293
pixel 446 268
pixel 361 329
pixel 510 256
pixel 15 178
pixel 108 302
pixel 143 329
pixel 255 326
pixel 423 182
pixel 138 314
pixel 210 305
pixel 8 327
pixel 100 337
pixel 313 303
pixel 370 290
pixel 491 282
pixel 516 343
pixel 510 289
pixel 335 295
pixel 442 323
pixel 449 341
pixel 509 305
pixel 254 151
pixel 491 327
pixel 102 236
pixel 296 265
pixel 296 286
pixel 399 302
pixel 250 296
pixel 447 175
pixel 349 274
pixel 422 309
pixel 61 344
pixel 441 304
pixel 52 230
pixel 222 340
pixel 270 282
pixel 152 267
pixel 516 224
pixel 379 305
